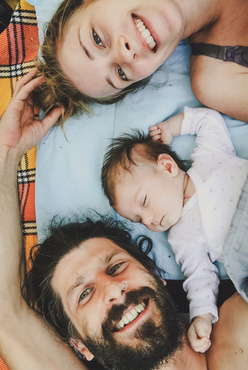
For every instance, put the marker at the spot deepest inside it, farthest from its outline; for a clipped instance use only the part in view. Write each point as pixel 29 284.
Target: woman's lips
pixel 145 33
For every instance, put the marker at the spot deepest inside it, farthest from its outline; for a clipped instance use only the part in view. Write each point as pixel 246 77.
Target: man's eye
pixel 121 73
pixel 97 39
pixel 113 269
pixel 84 294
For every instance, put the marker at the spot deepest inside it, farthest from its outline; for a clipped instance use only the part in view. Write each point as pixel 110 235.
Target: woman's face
pixel 110 44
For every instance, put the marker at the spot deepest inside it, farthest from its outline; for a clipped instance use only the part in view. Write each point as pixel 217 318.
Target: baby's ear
pixel 78 344
pixel 165 162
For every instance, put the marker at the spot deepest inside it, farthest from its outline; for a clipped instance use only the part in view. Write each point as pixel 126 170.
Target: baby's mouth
pixel 130 316
pixel 145 33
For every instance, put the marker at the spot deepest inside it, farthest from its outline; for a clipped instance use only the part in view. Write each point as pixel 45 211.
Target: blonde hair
pixel 57 90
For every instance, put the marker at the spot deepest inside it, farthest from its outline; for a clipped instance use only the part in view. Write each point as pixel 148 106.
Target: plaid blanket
pixel 19 44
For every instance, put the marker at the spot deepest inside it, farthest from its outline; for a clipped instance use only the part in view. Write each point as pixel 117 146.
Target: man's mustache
pixel 134 297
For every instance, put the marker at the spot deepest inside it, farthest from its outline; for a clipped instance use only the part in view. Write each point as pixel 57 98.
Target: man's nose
pixel 113 289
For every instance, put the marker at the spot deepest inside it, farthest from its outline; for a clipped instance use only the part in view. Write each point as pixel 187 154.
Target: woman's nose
pixel 126 50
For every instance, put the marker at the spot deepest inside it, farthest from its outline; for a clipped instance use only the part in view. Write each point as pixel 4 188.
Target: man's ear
pixel 165 162
pixel 78 344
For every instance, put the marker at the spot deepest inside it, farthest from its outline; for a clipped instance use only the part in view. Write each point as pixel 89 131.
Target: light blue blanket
pixel 69 162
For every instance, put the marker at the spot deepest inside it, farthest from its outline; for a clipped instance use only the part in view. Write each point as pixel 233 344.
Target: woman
pixel 99 50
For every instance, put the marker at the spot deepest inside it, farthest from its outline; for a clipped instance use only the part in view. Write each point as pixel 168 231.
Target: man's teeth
pixel 145 33
pixel 131 315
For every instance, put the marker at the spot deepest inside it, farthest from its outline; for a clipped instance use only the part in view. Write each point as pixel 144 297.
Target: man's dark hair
pixel 62 240
pixel 121 154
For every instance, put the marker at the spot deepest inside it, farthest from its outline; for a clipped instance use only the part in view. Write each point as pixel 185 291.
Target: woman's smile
pixel 145 33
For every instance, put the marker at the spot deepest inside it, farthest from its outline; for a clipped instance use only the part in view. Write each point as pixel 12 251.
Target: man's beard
pixel 158 342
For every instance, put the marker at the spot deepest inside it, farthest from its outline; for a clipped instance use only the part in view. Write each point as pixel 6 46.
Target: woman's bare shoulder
pixel 220 85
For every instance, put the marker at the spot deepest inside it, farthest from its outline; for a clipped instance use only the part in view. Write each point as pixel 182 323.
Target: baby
pixel 146 182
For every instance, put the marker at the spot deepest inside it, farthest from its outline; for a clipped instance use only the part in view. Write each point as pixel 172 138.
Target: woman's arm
pixel 26 342
pixel 220 85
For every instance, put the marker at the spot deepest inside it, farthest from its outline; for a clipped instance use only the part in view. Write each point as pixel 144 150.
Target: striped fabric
pixel 18 48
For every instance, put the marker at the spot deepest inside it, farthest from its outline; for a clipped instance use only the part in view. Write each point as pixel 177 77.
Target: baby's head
pixel 144 181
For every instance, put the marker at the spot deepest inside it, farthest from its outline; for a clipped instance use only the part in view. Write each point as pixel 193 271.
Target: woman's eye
pixel 113 269
pixel 85 293
pixel 97 39
pixel 121 73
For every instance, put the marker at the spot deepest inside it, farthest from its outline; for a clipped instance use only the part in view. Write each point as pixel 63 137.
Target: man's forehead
pixel 91 255
pixel 101 245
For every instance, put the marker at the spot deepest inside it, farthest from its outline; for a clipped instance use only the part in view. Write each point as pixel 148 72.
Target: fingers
pixel 26 85
pixel 201 345
pixel 153 128
pixel 155 133
pixel 199 334
pixel 25 79
pixel 51 119
pixel 25 91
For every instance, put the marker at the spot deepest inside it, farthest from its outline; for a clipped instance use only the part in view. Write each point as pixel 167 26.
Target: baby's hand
pixel 199 333
pixel 161 132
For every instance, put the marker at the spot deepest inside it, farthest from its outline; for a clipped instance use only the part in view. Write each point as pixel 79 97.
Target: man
pixel 97 275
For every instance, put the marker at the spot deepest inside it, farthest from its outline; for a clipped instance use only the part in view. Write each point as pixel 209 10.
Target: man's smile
pixel 131 316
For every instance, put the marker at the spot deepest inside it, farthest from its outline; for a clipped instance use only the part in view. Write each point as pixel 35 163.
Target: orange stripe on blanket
pixel 18 49
pixel 2 365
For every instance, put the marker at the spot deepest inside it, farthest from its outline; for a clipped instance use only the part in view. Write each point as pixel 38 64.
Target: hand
pixel 19 130
pixel 161 132
pixel 165 131
pixel 199 333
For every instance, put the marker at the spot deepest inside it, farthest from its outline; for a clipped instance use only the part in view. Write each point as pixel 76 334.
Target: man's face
pixel 120 327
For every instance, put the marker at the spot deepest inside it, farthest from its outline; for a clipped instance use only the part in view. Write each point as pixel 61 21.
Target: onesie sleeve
pixel 202 280
pixel 210 129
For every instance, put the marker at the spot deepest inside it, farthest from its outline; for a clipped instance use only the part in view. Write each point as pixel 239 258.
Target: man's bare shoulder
pixel 229 348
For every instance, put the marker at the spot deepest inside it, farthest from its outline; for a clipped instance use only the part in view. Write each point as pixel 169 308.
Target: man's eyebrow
pixel 89 55
pixel 111 83
pixel 81 279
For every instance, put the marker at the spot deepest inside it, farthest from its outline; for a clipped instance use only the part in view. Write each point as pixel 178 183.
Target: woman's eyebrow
pixel 88 54
pixel 91 57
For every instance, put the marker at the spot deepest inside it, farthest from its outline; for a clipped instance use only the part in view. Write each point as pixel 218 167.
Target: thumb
pixel 50 120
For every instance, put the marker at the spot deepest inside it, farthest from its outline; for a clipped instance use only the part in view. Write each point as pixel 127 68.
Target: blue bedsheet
pixel 69 161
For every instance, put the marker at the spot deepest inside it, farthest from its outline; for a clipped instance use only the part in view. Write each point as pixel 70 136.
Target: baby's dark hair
pixel 122 154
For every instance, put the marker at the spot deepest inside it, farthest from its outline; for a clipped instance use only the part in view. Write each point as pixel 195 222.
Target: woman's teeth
pixel 131 315
pixel 145 33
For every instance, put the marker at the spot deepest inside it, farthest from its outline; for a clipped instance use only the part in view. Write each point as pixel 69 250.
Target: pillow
pixel 69 161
